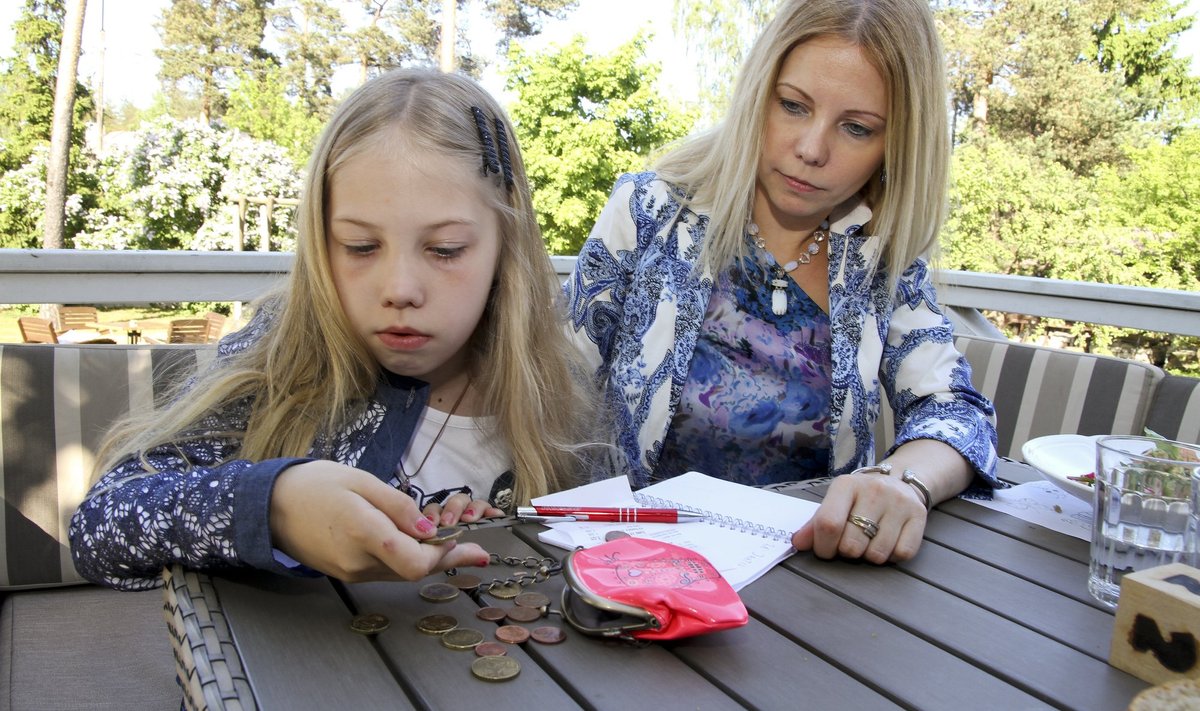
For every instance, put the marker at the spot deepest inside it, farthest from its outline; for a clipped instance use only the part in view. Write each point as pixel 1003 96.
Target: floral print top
pixel 755 407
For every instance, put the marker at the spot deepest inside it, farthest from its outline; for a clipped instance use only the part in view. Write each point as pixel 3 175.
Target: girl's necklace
pixel 404 477
pixel 778 282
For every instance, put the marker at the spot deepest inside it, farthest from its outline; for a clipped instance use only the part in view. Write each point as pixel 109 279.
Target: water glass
pixel 1143 509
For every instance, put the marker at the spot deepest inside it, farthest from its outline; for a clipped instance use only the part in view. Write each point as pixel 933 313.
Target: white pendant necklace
pixel 779 278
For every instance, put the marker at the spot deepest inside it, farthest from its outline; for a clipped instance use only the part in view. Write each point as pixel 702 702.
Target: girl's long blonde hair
pixel 717 168
pixel 309 375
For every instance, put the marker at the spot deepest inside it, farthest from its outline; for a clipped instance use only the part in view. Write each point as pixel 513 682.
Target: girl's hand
pixel 886 500
pixel 460 507
pixel 349 525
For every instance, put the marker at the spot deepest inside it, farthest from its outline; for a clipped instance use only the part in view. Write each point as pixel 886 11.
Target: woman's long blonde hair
pixel 309 375
pixel 717 168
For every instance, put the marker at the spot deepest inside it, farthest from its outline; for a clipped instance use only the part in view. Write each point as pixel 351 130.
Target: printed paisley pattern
pixel 638 301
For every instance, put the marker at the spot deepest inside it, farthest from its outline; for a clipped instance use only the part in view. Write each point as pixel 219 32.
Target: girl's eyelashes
pixel 448 253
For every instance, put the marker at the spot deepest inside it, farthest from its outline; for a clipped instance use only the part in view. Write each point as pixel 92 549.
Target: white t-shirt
pixel 467 454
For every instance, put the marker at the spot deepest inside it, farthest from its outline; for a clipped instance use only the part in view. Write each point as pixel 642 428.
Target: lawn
pixel 10 333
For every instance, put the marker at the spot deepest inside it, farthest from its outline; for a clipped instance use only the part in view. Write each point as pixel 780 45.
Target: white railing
pixel 128 277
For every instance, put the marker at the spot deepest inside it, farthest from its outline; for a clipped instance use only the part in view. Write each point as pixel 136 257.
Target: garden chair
pixel 188 330
pixel 84 317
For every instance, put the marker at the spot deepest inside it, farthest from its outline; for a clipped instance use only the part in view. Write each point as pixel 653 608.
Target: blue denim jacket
pixel 637 300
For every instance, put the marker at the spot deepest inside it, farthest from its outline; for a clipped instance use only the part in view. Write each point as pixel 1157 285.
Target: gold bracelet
pixel 910 477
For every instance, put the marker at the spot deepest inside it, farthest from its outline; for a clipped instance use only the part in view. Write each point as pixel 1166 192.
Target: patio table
pixel 993 613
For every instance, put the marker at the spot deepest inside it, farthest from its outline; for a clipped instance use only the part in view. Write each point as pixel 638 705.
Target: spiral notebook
pixel 746 531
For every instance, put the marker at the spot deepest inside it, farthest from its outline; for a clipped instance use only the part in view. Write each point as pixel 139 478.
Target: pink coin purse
pixel 639 589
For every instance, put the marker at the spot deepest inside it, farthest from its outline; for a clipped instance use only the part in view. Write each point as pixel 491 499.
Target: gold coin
pixel 439 592
pixel 464 581
pixel 449 533
pixel 512 634
pixel 495 668
pixel 491 614
pixel 523 614
pixel 462 638
pixel 505 592
pixel 436 624
pixel 369 624
pixel 548 634
pixel 532 599
pixel 490 649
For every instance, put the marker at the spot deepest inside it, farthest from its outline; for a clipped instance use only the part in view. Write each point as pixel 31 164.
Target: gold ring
pixel 869 528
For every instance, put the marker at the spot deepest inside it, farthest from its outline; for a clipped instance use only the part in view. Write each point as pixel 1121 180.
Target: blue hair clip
pixel 490 163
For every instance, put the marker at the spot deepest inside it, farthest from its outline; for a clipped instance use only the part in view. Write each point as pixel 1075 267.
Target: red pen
pixel 606 514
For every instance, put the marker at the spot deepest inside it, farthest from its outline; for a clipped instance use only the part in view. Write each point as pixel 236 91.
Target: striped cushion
pixel 55 404
pixel 1041 391
pixel 1175 410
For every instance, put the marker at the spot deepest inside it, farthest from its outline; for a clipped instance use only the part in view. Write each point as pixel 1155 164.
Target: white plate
pixel 1057 457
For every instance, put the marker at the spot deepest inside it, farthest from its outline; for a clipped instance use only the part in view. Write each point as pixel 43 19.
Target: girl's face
pixel 413 247
pixel 824 133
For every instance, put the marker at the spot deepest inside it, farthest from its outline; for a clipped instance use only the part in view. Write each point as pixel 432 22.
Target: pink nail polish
pixel 424 525
pixel 469 512
pixel 483 562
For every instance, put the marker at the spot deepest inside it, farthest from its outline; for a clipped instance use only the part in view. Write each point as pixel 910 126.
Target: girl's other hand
pixel 349 525
pixel 460 508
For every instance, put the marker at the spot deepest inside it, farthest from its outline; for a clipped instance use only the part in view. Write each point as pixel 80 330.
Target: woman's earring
pixel 883 176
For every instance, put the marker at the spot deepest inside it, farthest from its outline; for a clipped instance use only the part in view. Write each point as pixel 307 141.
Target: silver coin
pixel 439 592
pixel 495 668
pixel 437 624
pixel 462 638
pixel 369 624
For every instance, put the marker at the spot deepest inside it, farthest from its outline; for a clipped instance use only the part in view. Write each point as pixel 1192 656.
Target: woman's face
pixel 413 247
pixel 824 133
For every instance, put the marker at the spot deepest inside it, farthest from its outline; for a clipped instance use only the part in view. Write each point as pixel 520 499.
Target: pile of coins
pixel 492 662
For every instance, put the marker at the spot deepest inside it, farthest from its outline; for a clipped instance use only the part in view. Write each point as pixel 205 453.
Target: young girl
pixel 413 373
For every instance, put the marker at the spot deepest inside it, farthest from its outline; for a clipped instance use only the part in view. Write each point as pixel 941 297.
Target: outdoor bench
pixel 67 644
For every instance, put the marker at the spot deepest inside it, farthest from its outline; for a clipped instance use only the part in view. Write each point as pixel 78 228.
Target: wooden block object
pixel 1156 636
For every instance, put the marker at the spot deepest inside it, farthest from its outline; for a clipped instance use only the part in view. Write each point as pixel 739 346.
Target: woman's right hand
pixel 349 525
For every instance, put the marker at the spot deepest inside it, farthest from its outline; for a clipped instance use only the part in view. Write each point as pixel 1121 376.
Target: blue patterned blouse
pixel 755 407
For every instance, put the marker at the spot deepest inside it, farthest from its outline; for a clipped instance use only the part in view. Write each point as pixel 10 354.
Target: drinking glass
pixel 1142 509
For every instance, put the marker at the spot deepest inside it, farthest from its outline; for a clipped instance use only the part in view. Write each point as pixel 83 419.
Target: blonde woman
pixel 748 304
pixel 412 374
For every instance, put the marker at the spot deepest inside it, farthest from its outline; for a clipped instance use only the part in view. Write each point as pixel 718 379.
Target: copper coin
pixel 464 581
pixel 495 668
pixel 490 649
pixel 523 614
pixel 491 614
pixel 614 535
pixel 436 624
pixel 532 599
pixel 462 638
pixel 449 533
pixel 439 592
pixel 548 635
pixel 512 634
pixel 505 592
pixel 369 624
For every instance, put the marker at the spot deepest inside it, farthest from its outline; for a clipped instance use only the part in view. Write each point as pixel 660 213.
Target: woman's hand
pixel 459 507
pixel 895 507
pixel 891 504
pixel 349 525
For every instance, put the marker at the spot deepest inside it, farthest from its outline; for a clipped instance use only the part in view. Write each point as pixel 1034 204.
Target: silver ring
pixel 869 528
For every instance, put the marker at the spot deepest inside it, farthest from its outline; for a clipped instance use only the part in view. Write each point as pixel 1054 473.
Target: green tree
pixel 204 42
pixel 312 38
pixel 259 107
pixel 720 32
pixel 582 120
pixel 1079 78
pixel 27 83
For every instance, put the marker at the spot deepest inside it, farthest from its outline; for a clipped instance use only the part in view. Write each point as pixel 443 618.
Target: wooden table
pixel 133 328
pixel 993 613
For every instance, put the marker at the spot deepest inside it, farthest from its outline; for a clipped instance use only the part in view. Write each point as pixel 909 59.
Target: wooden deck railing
pixel 130 277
